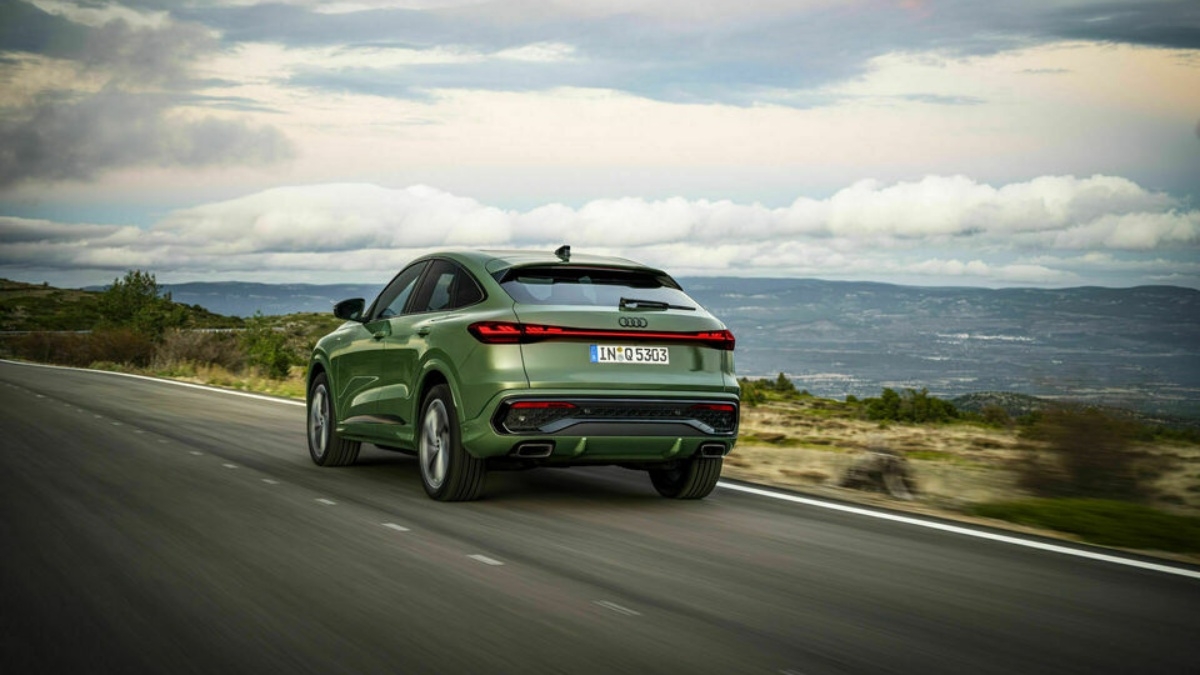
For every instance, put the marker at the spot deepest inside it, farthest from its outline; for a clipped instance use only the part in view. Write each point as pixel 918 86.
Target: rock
pixel 881 469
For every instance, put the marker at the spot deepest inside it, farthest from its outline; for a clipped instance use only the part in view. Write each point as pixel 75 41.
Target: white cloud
pixel 540 52
pixel 99 14
pixel 939 229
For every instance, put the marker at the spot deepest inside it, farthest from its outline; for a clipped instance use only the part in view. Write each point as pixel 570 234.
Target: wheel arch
pixel 431 378
pixel 316 367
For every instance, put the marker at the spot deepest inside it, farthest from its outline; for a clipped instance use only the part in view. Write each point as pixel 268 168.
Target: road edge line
pixel 747 489
pixel 965 531
pixel 164 380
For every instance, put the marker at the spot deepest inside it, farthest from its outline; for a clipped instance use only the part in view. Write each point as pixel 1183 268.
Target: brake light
pixel 541 405
pixel 715 407
pixel 507 332
pixel 496 332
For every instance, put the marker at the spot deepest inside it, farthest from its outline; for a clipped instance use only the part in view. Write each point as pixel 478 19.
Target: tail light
pixel 507 332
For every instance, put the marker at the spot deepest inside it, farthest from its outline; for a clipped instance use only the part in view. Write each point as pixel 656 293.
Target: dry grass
pixel 956 465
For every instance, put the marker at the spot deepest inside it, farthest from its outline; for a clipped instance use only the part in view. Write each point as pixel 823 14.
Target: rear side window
pixel 392 300
pixel 590 286
pixel 447 286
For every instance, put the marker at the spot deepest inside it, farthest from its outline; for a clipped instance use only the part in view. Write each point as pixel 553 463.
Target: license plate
pixel 655 356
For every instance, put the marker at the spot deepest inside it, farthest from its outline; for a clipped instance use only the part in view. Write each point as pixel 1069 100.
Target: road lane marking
pixel 1012 540
pixel 269 481
pixel 484 559
pixel 197 453
pixel 189 385
pixel 619 609
pixel 394 526
pixel 327 502
pixel 229 466
pixel 956 529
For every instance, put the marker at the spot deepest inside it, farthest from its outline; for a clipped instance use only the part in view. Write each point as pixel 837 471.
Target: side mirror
pixel 350 310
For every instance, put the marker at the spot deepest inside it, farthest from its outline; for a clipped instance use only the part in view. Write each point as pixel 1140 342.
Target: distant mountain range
pixel 1136 347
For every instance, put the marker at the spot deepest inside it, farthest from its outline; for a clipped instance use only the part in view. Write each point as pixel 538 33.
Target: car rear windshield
pixel 591 286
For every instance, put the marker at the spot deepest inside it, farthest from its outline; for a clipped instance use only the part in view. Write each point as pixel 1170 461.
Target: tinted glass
pixel 447 286
pixel 391 302
pixel 596 286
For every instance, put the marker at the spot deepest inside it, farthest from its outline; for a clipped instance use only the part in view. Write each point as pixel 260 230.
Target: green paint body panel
pixel 380 370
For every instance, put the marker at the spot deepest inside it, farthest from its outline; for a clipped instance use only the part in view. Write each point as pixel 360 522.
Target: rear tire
pixel 448 472
pixel 692 479
pixel 325 445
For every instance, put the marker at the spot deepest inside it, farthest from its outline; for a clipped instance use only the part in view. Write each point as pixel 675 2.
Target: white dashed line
pixel 795 499
pixel 116 424
pixel 484 559
pixel 229 466
pixel 327 502
pixel 196 453
pixel 163 441
pixel 138 431
pixel 619 609
pixel 269 481
pixel 393 526
pixel 40 396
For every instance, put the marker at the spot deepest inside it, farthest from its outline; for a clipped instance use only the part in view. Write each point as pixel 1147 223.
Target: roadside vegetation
pixel 134 326
pixel 1105 476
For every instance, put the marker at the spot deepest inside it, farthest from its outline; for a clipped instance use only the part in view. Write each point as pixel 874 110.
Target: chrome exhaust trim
pixel 539 450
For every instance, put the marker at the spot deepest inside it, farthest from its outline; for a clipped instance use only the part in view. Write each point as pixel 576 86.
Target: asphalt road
pixel 149 527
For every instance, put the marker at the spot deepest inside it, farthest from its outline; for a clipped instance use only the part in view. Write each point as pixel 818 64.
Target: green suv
pixel 478 360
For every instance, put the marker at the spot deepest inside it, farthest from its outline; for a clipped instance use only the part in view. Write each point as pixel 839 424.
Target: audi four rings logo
pixel 633 322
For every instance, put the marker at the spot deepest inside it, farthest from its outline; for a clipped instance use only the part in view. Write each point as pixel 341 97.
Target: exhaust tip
pixel 712 450
pixel 533 450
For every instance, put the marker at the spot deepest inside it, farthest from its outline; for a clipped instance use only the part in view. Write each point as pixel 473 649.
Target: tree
pixel 911 406
pixel 266 347
pixel 136 302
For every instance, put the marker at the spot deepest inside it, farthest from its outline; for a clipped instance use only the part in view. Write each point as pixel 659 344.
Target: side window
pixel 393 298
pixel 446 287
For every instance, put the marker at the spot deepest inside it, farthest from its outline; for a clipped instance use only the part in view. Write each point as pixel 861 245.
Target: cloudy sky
pixel 1016 143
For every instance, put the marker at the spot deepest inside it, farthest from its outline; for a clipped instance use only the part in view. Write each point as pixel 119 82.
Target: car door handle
pixel 379 334
pixel 423 331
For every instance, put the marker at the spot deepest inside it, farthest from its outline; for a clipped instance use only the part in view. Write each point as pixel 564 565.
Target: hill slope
pixel 1135 347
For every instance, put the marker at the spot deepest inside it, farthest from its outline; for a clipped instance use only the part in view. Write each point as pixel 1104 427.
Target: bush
pixel 996 416
pixel 911 406
pixel 122 345
pixel 1110 523
pixel 68 349
pixel 117 345
pixel 180 347
pixel 267 348
pixel 1089 455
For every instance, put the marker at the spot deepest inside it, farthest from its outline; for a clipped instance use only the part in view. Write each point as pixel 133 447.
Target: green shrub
pixel 1100 521
pixel 266 347
pixel 910 406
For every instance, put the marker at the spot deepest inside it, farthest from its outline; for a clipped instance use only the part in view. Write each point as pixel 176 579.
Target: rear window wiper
pixel 634 303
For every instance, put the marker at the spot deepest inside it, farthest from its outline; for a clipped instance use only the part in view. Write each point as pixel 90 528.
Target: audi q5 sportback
pixel 517 359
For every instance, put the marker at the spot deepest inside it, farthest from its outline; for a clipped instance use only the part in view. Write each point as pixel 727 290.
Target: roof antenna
pixel 563 252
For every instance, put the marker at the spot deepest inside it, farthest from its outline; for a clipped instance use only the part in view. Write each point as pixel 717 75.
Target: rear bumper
pixel 628 427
